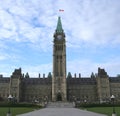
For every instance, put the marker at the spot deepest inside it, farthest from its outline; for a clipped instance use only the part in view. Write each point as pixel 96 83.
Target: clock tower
pixel 59 64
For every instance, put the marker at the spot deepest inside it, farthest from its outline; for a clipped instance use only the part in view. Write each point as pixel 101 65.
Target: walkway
pixel 61 112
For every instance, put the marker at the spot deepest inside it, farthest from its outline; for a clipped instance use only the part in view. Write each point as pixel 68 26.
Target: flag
pixel 61 10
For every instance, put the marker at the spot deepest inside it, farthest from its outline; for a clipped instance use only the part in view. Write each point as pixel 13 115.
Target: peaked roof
pixel 59 26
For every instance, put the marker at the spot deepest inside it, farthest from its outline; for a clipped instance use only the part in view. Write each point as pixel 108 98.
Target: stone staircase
pixel 60 105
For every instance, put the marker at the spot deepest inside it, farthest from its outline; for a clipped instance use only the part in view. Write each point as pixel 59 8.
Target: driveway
pixel 61 112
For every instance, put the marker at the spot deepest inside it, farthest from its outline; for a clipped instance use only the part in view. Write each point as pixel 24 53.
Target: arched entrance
pixel 59 97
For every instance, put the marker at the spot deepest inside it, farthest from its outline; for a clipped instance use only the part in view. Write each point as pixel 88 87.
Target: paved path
pixel 61 112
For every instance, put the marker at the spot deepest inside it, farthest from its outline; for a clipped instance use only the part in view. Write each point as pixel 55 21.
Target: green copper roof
pixel 59 26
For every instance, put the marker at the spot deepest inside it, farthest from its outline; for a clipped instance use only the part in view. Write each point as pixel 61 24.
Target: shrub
pixel 6 104
pixel 97 105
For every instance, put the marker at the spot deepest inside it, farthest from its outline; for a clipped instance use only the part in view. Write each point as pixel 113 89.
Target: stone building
pixel 59 64
pixel 59 86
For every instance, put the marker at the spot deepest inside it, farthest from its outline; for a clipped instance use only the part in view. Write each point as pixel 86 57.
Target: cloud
pixel 90 25
pixel 86 67
pixel 2 57
pixel 42 69
pixel 93 20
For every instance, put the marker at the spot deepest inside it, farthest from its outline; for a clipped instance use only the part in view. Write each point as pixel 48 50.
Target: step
pixel 60 105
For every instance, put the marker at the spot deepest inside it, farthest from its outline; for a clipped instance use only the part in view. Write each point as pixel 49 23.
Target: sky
pixel 92 29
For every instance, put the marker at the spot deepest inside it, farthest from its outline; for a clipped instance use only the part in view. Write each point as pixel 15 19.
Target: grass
pixel 15 110
pixel 104 110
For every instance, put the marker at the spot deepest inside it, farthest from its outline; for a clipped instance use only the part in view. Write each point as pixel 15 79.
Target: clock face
pixel 59 37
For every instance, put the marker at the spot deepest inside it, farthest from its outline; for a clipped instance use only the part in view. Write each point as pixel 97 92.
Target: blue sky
pixel 92 29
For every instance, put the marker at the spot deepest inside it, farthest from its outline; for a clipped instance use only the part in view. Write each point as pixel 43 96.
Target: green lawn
pixel 104 110
pixel 15 110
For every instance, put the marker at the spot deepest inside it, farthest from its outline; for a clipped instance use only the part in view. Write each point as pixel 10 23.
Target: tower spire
pixel 59 91
pixel 59 26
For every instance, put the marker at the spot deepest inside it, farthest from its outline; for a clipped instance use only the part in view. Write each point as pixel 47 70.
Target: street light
pixel 9 98
pixel 112 99
pixel 85 101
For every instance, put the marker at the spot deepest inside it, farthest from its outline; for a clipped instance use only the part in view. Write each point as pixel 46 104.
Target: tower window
pixel 58 47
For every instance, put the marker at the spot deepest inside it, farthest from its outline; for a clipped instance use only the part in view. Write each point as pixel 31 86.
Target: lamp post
pixel 9 98
pixel 112 99
pixel 85 101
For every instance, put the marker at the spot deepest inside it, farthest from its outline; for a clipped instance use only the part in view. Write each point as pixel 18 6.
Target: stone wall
pixel 4 88
pixel 81 89
pixel 115 87
pixel 36 89
pixel 95 89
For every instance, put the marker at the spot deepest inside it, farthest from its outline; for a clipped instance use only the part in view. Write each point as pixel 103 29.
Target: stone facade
pixel 59 65
pixel 83 89
pixel 58 86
